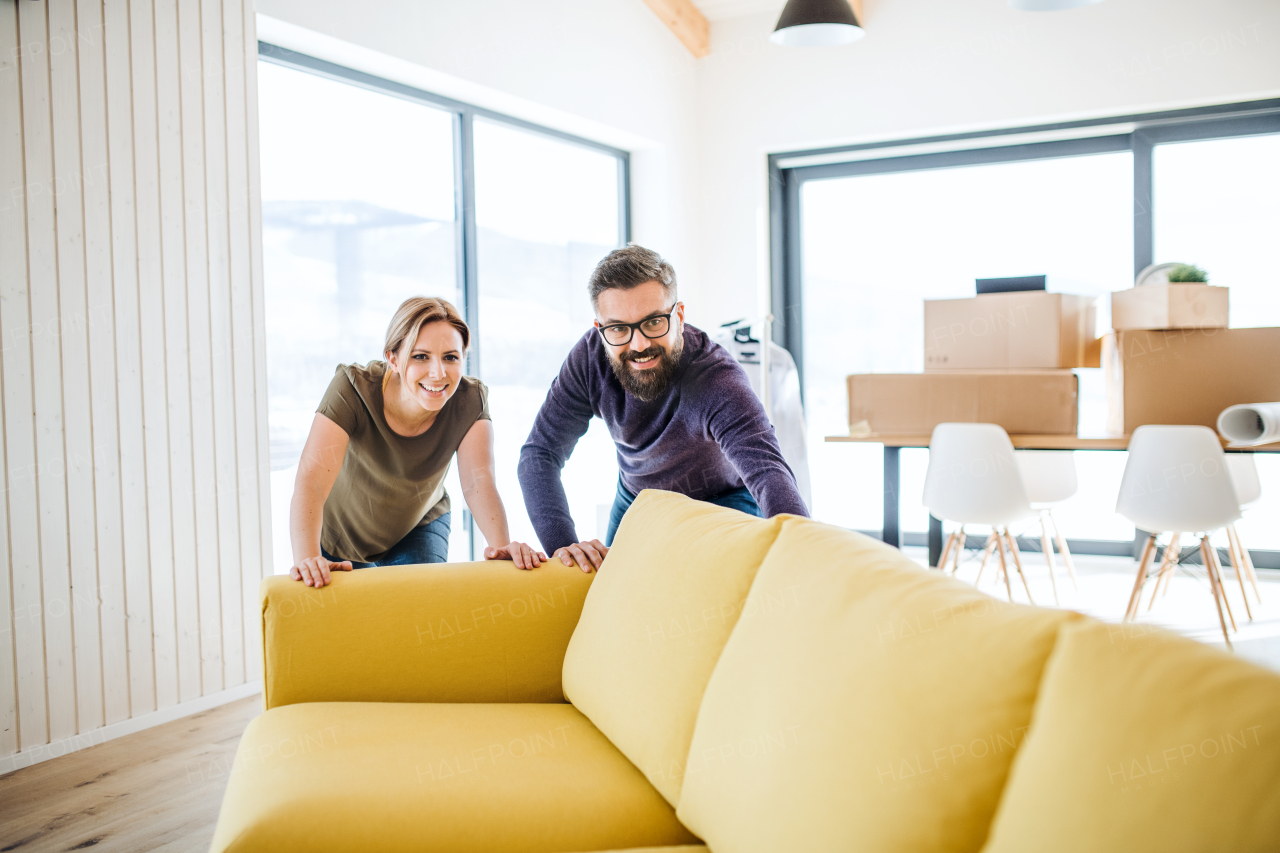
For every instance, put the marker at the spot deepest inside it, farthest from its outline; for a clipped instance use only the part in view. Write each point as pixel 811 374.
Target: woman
pixel 370 485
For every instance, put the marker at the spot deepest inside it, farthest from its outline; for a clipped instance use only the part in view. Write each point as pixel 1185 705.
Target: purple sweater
pixel 706 435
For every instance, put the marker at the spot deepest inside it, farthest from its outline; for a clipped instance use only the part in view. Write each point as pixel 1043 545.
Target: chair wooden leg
pixel 1237 563
pixel 1047 547
pixel 1160 574
pixel 1064 551
pixel 1174 560
pixel 1017 563
pixel 961 539
pixel 1246 560
pixel 1217 576
pixel 1004 567
pixel 1171 552
pixel 946 551
pixel 1177 558
pixel 986 555
pixel 1208 562
pixel 1131 610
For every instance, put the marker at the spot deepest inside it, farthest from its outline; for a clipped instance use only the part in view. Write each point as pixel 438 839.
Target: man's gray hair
pixel 629 267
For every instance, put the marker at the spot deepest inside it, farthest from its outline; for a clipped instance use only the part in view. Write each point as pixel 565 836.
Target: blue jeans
pixel 739 499
pixel 427 543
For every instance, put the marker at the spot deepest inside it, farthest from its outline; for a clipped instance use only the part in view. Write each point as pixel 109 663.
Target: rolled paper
pixel 1250 423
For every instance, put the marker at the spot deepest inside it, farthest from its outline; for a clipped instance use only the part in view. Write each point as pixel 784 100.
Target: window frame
pixel 1138 133
pixel 464 115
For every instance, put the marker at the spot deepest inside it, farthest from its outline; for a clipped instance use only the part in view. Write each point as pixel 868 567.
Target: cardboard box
pixel 1009 331
pixel 1031 402
pixel 1189 376
pixel 1169 306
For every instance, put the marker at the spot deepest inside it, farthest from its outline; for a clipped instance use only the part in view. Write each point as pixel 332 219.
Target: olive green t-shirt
pixel 389 483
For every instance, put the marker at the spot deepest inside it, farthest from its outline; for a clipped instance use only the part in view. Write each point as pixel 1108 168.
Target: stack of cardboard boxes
pixel 1002 358
pixel 1007 359
pixel 1173 360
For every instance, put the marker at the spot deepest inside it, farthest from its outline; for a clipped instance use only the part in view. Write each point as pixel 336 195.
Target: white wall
pixel 929 66
pixel 610 71
pixel 133 417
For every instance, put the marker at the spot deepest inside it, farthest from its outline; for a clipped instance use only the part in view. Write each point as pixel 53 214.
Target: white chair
pixel 1049 477
pixel 1244 476
pixel 1176 481
pixel 973 478
pixel 1248 486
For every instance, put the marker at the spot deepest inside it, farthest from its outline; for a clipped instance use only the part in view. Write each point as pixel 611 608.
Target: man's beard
pixel 649 384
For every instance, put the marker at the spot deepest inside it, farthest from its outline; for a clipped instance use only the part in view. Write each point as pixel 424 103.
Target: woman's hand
pixel 517 552
pixel 588 554
pixel 317 470
pixel 315 570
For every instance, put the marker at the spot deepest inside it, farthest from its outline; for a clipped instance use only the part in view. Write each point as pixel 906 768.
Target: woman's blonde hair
pixel 414 313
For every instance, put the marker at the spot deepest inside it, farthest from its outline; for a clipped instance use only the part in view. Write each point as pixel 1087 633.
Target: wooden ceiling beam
pixel 688 24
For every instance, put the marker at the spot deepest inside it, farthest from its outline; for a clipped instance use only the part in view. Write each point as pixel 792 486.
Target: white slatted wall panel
pixel 133 373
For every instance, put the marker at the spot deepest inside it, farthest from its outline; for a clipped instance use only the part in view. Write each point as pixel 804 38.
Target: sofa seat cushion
pixel 655 621
pixel 344 776
pixel 862 703
pixel 1144 740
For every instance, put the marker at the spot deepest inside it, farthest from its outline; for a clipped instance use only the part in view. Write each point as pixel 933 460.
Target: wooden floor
pixel 159 789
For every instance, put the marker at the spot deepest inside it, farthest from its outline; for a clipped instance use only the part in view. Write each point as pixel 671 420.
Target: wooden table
pixel 891 531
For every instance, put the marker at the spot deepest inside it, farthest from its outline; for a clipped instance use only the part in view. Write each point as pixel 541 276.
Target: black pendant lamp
pixel 817 23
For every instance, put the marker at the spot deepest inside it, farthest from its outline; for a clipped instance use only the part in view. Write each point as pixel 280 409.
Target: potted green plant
pixel 1170 296
pixel 1187 273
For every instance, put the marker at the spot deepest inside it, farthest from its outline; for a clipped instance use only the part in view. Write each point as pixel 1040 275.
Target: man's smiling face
pixel 643 365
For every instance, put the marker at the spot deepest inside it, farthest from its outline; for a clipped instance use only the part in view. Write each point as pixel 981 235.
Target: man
pixel 680 410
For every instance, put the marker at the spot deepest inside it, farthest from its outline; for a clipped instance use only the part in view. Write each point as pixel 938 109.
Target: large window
pixel 863 234
pixel 876 245
pixel 373 192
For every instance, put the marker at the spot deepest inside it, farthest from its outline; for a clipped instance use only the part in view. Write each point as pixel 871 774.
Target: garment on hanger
pixel 786 411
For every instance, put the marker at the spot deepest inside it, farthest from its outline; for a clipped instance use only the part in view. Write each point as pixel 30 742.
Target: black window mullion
pixel 467 220
pixel 966 157
pixel 1252 124
pixel 459 206
pixel 1143 220
pixel 779 291
pixel 792 312
pixel 464 193
pixel 624 199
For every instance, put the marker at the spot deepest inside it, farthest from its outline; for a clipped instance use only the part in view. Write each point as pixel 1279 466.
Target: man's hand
pixel 517 552
pixel 587 555
pixel 315 570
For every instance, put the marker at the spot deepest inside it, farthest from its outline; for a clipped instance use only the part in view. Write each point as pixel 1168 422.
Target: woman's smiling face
pixel 432 368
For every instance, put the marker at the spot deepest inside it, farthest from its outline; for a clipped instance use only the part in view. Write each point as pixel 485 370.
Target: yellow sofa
pixel 737 684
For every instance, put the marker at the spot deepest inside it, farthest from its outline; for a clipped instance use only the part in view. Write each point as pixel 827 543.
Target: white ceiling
pixel 718 10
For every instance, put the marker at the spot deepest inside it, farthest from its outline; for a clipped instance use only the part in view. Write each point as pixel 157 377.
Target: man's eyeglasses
pixel 620 334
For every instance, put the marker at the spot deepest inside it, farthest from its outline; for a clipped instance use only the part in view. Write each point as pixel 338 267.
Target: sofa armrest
pixel 456 632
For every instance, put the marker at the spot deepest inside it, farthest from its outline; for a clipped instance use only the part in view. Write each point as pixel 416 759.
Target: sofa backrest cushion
pixel 453 632
pixel 1144 740
pixel 655 621
pixel 862 703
